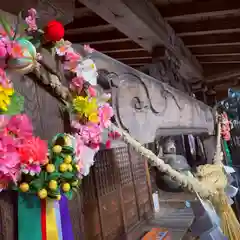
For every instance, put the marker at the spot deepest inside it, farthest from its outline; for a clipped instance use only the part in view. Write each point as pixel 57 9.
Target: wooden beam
pixel 108 36
pixel 209 26
pixel 115 46
pixel 141 22
pixel 91 20
pixel 219 58
pixel 100 28
pixel 212 45
pixel 213 39
pixel 198 9
pixel 218 50
pixel 128 54
pixel 223 76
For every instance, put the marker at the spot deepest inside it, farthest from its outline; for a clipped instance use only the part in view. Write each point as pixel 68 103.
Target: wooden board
pixel 117 200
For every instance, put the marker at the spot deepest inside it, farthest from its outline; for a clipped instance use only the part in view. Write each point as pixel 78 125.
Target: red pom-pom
pixel 54 31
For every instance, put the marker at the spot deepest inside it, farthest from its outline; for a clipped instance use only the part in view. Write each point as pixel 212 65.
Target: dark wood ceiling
pixel 89 28
pixel 209 28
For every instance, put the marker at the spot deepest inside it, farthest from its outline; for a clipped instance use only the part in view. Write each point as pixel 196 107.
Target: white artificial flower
pixel 87 69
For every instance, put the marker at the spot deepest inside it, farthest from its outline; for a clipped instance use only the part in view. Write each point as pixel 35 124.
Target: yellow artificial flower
pixel 93 117
pixel 5 97
pixel 91 107
pixel 86 106
pixel 79 103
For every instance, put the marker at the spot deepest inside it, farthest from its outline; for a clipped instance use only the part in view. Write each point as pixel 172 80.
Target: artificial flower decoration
pixel 5 97
pixel 29 164
pixel 87 69
pixel 31 20
pixel 54 31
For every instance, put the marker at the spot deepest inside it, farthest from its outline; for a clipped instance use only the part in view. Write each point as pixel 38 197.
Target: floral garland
pixel 28 163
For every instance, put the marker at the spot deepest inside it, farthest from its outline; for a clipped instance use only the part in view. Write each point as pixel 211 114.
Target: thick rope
pixel 203 188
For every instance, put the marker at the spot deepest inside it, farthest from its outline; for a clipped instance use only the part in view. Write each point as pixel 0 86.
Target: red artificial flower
pixel 33 151
pixel 54 31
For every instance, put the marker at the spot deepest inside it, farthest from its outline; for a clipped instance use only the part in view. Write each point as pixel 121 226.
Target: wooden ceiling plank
pixel 193 45
pixel 141 22
pixel 129 54
pixel 125 51
pixel 108 36
pixel 204 15
pixel 100 28
pixel 213 39
pixel 221 58
pixel 115 46
pixel 212 7
pixel 91 20
pixel 223 76
pixel 209 26
pixel 220 62
pixel 218 50
pixel 218 54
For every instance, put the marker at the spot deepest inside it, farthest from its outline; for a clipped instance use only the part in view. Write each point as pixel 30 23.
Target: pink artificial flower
pixel 3 49
pixel 20 126
pixel 84 156
pixel 72 60
pixel 4 119
pixel 33 153
pixel 9 160
pixel 108 144
pixel 92 92
pixel 77 84
pixel 88 49
pixel 114 135
pixel 90 133
pixel 105 113
pixel 4 80
pixel 31 20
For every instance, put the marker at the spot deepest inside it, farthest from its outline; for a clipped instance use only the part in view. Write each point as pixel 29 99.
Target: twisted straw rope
pixel 206 187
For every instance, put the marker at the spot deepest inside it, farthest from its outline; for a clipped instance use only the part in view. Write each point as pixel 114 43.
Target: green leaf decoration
pixel 57 161
pixel 54 193
pixel 35 42
pixel 6 26
pixel 53 176
pixel 68 150
pixel 37 184
pixel 16 106
pixel 67 175
pixel 69 195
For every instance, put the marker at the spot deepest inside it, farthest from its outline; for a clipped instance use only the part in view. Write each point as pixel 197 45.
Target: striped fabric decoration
pixel 43 219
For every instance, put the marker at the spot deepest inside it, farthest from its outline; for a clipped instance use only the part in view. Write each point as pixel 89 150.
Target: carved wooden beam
pixel 142 22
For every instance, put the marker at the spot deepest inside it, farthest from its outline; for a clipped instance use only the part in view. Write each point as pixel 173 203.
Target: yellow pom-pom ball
pixel 58 197
pixel 77 167
pixel 57 149
pixel 67 141
pixel 75 183
pixel 68 159
pixel 50 168
pixel 66 187
pixel 53 185
pixel 24 187
pixel 70 168
pixel 42 193
pixel 63 167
